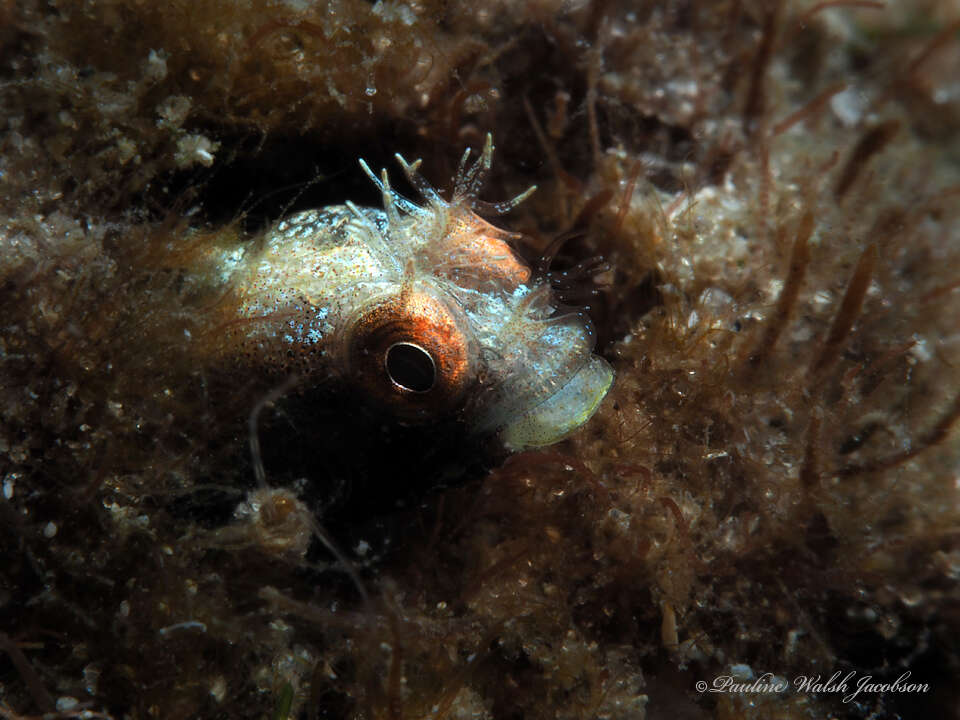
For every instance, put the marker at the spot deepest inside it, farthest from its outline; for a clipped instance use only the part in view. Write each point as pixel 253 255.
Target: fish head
pixel 466 328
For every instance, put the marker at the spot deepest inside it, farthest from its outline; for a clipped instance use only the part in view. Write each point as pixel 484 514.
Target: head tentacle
pixel 467 184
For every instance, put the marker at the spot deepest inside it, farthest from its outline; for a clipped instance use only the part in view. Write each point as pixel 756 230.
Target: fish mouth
pixel 564 411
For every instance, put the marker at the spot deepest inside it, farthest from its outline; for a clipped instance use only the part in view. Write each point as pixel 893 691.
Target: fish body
pixel 426 309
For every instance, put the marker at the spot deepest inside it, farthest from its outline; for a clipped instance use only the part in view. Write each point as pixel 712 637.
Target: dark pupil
pixel 410 367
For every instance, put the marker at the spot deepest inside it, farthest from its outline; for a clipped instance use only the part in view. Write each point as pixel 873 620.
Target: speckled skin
pixel 328 292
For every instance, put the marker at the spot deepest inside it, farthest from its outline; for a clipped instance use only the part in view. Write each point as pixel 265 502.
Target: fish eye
pixel 410 367
pixel 412 353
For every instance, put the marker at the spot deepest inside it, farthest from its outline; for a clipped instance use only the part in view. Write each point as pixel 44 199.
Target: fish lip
pixel 568 409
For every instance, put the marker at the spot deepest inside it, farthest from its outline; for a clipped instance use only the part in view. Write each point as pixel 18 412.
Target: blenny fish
pixel 425 309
